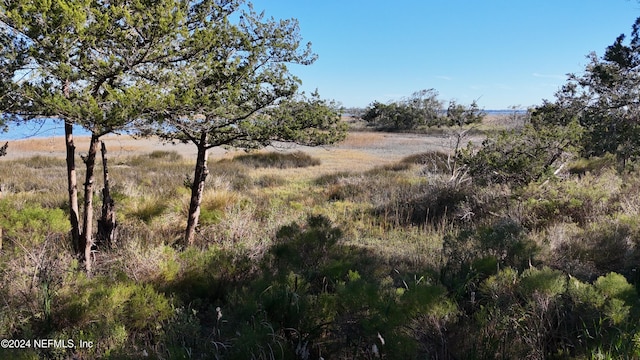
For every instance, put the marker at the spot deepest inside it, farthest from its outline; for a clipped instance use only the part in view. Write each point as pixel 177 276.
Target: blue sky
pixel 499 52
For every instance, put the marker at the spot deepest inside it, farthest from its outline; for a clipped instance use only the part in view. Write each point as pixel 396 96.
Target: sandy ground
pixel 360 151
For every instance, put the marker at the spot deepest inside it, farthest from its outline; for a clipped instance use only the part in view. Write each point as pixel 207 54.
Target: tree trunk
pixel 87 219
pixel 197 188
pixel 107 222
pixel 72 183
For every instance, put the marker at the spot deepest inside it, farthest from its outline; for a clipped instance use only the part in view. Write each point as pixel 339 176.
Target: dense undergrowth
pixel 403 261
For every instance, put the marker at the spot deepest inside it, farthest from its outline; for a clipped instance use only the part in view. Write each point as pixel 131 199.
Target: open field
pixel 360 151
pixel 347 247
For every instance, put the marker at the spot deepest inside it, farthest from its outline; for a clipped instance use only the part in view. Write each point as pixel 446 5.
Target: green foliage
pixel 149 209
pixel 594 165
pixel 615 286
pixel 302 120
pixel 534 312
pixel 546 282
pixel 422 108
pixel 460 115
pixel 472 255
pixel 312 297
pixel 30 224
pixel 236 90
pixel 580 200
pixel 112 313
pixel 602 100
pixel 518 157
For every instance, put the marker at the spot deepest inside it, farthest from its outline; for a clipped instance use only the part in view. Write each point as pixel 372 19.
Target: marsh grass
pixel 363 138
pixel 322 262
pixel 277 160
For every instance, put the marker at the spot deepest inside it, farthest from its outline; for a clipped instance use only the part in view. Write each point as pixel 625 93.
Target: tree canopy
pixel 422 108
pixel 236 90
pixel 604 100
pixel 213 72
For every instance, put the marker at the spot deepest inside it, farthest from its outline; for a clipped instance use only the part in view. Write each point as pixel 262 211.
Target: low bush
pixel 321 298
pixel 29 225
pixel 574 200
pixel 433 161
pixel 600 248
pixel 537 314
pixel 113 315
pixel 229 175
pixel 165 155
pixel 278 160
pixel 148 209
pixel 519 157
pixel 426 203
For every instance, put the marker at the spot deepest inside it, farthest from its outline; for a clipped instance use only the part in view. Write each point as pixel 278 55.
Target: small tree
pixel 460 115
pixel 100 65
pixel 421 108
pixel 604 99
pixel 237 91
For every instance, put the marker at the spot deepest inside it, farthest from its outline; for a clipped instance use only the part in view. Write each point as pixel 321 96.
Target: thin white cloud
pixel 548 76
pixel 443 77
pixel 502 86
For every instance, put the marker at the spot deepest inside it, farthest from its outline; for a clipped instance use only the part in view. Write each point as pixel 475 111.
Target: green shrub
pixel 599 248
pixel 316 296
pixel 518 157
pixel 149 209
pixel 113 314
pixel 546 282
pixel 543 313
pixel 575 200
pixel 30 224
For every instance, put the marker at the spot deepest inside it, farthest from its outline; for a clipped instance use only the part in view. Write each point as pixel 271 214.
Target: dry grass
pixel 399 220
pixel 360 151
pixel 363 139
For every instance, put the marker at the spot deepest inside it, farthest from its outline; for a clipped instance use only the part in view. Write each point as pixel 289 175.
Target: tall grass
pixel 399 256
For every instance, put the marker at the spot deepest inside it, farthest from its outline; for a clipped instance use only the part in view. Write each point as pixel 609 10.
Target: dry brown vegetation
pixel 378 242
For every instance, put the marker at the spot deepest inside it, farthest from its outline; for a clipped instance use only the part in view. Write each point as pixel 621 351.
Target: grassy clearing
pixel 326 260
